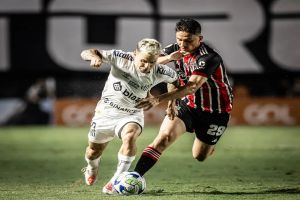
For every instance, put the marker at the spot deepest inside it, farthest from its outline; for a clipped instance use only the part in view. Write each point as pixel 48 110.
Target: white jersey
pixel 126 85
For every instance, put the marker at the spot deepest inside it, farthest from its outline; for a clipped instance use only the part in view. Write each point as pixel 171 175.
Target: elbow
pixel 83 54
pixel 191 88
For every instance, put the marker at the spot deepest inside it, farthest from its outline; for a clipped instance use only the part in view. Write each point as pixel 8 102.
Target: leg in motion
pixel 201 150
pixel 92 157
pixel 126 154
pixel 169 131
pixel 208 135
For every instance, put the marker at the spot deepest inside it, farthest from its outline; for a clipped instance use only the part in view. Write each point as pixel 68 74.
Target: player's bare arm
pixel 151 101
pixel 194 83
pixel 169 58
pixel 171 110
pixel 92 55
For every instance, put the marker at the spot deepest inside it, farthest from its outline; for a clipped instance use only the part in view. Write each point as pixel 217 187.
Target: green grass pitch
pixel 249 163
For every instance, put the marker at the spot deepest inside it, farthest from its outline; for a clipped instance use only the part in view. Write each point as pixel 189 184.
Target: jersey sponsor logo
pixel 126 75
pixel 123 55
pixel 133 84
pixel 194 66
pixel 130 95
pixel 118 107
pixel 165 71
pixel 146 87
pixel 118 87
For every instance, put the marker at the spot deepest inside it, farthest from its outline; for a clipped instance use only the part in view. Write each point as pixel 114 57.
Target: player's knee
pixel 130 137
pixel 130 133
pixel 200 157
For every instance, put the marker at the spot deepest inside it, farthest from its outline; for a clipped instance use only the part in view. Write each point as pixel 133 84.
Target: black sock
pixel 147 160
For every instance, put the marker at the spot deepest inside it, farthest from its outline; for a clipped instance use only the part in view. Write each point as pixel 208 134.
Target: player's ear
pixel 134 52
pixel 201 38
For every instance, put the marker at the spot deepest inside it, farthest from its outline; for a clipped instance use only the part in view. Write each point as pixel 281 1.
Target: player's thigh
pixel 208 129
pixel 169 131
pixel 101 131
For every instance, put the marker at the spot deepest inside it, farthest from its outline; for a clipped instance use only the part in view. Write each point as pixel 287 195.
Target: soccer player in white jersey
pixel 131 77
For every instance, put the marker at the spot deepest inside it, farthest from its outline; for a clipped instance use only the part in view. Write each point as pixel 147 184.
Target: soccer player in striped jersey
pixel 131 77
pixel 203 101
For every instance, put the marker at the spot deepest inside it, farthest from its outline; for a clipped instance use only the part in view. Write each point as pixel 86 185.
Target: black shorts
pixel 208 127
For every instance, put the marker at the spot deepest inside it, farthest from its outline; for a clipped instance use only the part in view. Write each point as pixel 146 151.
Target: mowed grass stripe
pixel 249 163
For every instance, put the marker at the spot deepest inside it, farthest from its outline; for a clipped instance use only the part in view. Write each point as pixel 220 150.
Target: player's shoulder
pixel 206 53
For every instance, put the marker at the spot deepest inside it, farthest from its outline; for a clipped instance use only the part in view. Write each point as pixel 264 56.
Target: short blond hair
pixel 150 46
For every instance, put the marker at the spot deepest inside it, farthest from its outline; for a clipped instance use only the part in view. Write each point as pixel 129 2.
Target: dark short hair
pixel 188 25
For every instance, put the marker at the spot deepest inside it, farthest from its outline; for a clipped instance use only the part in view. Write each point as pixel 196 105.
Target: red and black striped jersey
pixel 215 95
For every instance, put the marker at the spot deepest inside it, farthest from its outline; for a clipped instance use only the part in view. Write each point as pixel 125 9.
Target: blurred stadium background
pixel 44 81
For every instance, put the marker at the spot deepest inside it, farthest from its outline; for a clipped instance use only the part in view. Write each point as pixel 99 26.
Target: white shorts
pixel 105 127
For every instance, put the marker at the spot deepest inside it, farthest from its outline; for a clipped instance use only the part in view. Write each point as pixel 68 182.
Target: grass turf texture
pixel 249 163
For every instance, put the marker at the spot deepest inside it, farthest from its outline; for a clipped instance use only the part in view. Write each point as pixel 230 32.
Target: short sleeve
pixel 108 56
pixel 170 49
pixel 207 64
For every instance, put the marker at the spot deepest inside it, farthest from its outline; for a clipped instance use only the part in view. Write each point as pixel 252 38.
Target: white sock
pixel 93 163
pixel 123 165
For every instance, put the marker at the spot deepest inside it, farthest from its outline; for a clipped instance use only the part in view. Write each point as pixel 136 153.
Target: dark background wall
pixel 258 39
